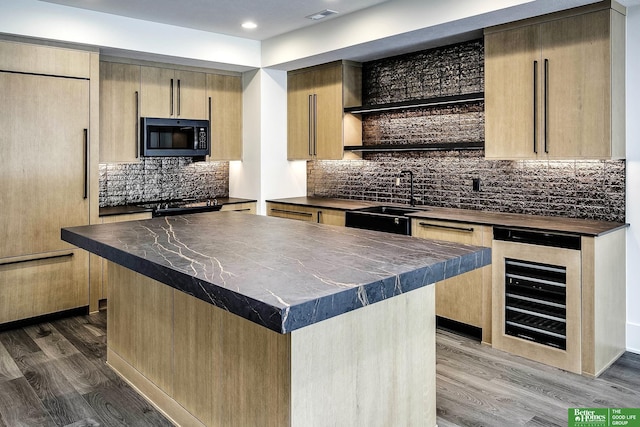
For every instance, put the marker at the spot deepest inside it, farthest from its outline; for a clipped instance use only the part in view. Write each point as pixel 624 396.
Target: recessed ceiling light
pixel 249 25
pixel 321 15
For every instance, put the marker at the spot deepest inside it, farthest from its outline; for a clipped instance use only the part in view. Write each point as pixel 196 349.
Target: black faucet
pixel 412 201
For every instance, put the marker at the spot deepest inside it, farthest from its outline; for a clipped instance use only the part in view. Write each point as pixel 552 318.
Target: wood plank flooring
pixel 480 386
pixel 54 374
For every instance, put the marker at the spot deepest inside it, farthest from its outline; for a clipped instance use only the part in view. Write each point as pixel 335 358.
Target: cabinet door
pixel 190 95
pixel 225 97
pixel 512 93
pixel 157 92
pixel 458 298
pixel 119 112
pixel 578 90
pixel 43 187
pixel 299 109
pixel 44 176
pixel 328 112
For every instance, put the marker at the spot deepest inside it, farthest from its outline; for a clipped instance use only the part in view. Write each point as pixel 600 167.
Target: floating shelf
pixel 417 103
pixel 444 146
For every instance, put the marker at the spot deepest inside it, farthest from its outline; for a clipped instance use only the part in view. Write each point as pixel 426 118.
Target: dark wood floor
pixel 54 374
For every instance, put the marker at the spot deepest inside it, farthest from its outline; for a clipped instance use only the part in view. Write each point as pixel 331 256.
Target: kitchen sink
pixel 390 219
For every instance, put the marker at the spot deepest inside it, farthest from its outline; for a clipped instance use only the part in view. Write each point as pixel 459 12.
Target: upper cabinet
pixel 119 112
pixel 554 86
pixel 131 91
pixel 224 96
pixel 168 93
pixel 317 126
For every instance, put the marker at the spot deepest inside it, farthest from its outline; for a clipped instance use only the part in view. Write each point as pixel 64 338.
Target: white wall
pixel 265 173
pixel 118 34
pixel 633 178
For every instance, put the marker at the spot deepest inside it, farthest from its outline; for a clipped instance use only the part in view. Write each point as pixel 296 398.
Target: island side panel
pixel 140 324
pixel 372 367
pixel 228 370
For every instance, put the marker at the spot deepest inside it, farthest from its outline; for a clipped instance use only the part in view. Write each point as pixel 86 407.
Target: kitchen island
pixel 230 319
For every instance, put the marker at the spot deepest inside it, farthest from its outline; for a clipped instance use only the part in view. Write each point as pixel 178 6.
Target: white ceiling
pixel 273 17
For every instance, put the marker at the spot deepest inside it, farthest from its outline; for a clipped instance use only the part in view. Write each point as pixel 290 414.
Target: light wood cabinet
pixel 465 298
pixel 554 86
pixel 224 96
pixel 45 183
pixel 307 213
pixel 119 112
pixel 595 301
pixel 169 93
pixel 317 126
pixel 249 207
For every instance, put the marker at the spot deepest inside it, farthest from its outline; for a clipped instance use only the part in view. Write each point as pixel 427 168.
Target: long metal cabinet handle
pixel 41 258
pixel 315 124
pixel 546 103
pixel 291 212
pixel 171 99
pixel 310 124
pixel 447 227
pixel 535 106
pixel 85 154
pixel 178 97
pixel 319 217
pixel 209 130
pixel 137 125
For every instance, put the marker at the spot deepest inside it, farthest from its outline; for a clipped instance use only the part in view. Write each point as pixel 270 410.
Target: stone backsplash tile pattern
pixel 162 178
pixel 576 189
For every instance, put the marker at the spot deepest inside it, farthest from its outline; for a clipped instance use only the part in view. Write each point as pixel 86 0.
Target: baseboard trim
pixel 164 403
pixel 16 324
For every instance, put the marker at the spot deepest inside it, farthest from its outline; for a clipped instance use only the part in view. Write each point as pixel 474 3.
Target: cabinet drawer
pixel 301 213
pixel 469 234
pixel 241 207
pixel 43 284
pixel 307 213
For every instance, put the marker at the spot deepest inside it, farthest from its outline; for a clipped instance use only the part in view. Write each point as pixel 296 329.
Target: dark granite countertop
pixel 132 209
pixel 325 203
pixel 583 227
pixel 278 273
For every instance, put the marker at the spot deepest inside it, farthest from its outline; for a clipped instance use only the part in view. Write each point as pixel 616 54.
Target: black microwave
pixel 174 137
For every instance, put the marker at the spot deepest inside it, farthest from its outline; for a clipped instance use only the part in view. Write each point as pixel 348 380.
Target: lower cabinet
pixel 249 207
pixel 465 298
pixel 537 303
pixel 307 213
pixel 42 284
pixel 561 306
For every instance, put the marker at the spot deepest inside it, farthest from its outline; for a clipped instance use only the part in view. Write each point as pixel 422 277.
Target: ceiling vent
pixel 321 15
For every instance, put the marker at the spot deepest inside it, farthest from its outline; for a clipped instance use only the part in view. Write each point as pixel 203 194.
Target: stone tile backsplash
pixel 162 178
pixel 576 189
